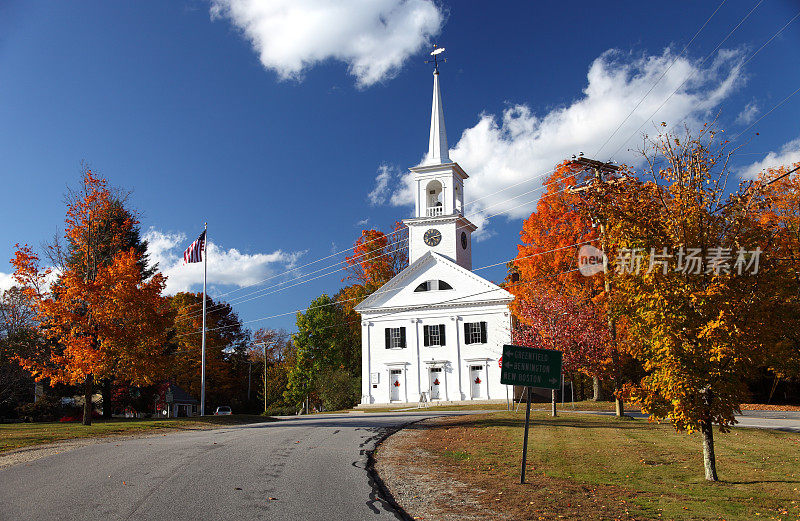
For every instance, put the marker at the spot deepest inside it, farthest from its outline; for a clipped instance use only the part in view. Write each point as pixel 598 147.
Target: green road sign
pixel 531 367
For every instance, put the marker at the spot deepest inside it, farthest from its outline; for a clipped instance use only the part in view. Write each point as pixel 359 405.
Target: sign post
pixel 530 367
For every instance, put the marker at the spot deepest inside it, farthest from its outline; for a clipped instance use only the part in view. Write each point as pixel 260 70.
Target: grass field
pixel 595 467
pixel 18 435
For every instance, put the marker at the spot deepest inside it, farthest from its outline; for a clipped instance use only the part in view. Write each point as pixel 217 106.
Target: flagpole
pixel 203 348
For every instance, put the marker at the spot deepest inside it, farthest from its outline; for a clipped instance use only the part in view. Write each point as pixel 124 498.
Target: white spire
pixel 437 146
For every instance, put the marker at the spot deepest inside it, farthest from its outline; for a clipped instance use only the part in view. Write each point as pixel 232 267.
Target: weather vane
pixel 435 53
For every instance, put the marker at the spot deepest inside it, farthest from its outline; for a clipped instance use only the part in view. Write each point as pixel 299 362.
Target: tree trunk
pixel 88 391
pixel 553 399
pixel 619 407
pixel 106 392
pixel 598 391
pixel 709 461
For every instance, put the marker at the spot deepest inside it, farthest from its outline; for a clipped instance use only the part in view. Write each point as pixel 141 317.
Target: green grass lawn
pixel 17 435
pixel 656 471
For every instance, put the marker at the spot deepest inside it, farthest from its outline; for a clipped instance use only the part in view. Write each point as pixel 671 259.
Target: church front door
pixel 476 375
pixel 436 382
pixel 396 384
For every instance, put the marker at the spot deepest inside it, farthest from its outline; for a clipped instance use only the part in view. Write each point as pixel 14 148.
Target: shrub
pixel 339 390
pixel 48 408
pixel 281 410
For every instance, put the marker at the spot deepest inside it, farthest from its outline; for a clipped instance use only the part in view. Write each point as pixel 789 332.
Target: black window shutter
pixel 441 335
pixel 426 334
pixel 402 337
pixel 483 333
pixel 467 339
pixel 388 338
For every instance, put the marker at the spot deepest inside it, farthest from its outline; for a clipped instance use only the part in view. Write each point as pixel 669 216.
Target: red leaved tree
pixel 102 319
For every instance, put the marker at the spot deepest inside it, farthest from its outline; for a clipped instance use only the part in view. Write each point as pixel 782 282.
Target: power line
pixel 534 178
pixel 265 291
pixel 766 114
pixel 384 291
pixel 761 187
pixel 653 86
pixel 691 74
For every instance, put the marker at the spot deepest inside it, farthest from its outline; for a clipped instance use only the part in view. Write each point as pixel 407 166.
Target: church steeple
pixel 439 224
pixel 437 145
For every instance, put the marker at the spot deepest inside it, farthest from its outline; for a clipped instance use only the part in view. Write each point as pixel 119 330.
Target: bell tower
pixel 439 224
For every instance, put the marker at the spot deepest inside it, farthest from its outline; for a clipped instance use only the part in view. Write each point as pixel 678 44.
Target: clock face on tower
pixel 464 240
pixel 432 237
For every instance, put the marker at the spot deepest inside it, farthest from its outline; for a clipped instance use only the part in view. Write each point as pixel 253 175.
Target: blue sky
pixel 289 125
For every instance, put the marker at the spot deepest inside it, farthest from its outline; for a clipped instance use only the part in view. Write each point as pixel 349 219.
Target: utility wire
pixel 384 291
pixel 266 291
pixel 691 74
pixel 653 86
pixel 534 178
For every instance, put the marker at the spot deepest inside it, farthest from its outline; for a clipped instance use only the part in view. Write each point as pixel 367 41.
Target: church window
pixel 433 285
pixel 395 337
pixel 433 335
pixel 475 333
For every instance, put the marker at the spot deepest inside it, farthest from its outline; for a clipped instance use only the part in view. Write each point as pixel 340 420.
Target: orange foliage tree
pixel 700 314
pixel 100 316
pixel 377 257
pixel 775 196
pixel 227 343
pixel 547 278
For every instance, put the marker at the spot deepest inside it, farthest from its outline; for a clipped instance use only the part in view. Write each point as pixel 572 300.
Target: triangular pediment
pixel 467 288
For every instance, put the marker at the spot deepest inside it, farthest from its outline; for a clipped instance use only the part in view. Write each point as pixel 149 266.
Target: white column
pixel 366 368
pixel 456 320
pixel 405 382
pixel 420 200
pixel 417 361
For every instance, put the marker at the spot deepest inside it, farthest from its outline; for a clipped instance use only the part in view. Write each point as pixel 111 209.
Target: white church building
pixel 435 332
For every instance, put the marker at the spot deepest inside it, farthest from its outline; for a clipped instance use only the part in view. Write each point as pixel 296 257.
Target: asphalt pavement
pixel 304 468
pixel 786 421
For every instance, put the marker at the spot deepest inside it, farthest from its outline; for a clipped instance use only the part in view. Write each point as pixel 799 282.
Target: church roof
pixel 468 289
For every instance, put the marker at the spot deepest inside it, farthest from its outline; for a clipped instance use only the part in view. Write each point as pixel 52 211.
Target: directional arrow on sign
pixel 553 381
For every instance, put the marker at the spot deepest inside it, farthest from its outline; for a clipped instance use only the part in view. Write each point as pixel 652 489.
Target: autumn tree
pixel 18 336
pixel 550 320
pixel 686 283
pixel 110 322
pixel 269 352
pixel 546 268
pixel 114 228
pixel 227 348
pixel 775 196
pixel 377 257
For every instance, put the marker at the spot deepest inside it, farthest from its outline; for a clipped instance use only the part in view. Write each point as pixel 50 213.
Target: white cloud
pixel 789 154
pixel 6 281
pixel 374 37
pixel 382 191
pixel 748 114
pixel 362 222
pixel 225 267
pixel 499 152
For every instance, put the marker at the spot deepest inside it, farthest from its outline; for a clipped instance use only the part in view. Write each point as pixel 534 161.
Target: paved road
pixel 787 421
pixel 314 467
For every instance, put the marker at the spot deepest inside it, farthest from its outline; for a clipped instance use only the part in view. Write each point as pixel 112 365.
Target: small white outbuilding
pixel 435 332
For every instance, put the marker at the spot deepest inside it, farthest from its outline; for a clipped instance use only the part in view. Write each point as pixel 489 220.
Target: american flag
pixel 194 253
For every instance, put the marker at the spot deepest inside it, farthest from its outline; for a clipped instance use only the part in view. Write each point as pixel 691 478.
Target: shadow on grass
pixel 757 482
pixel 558 421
